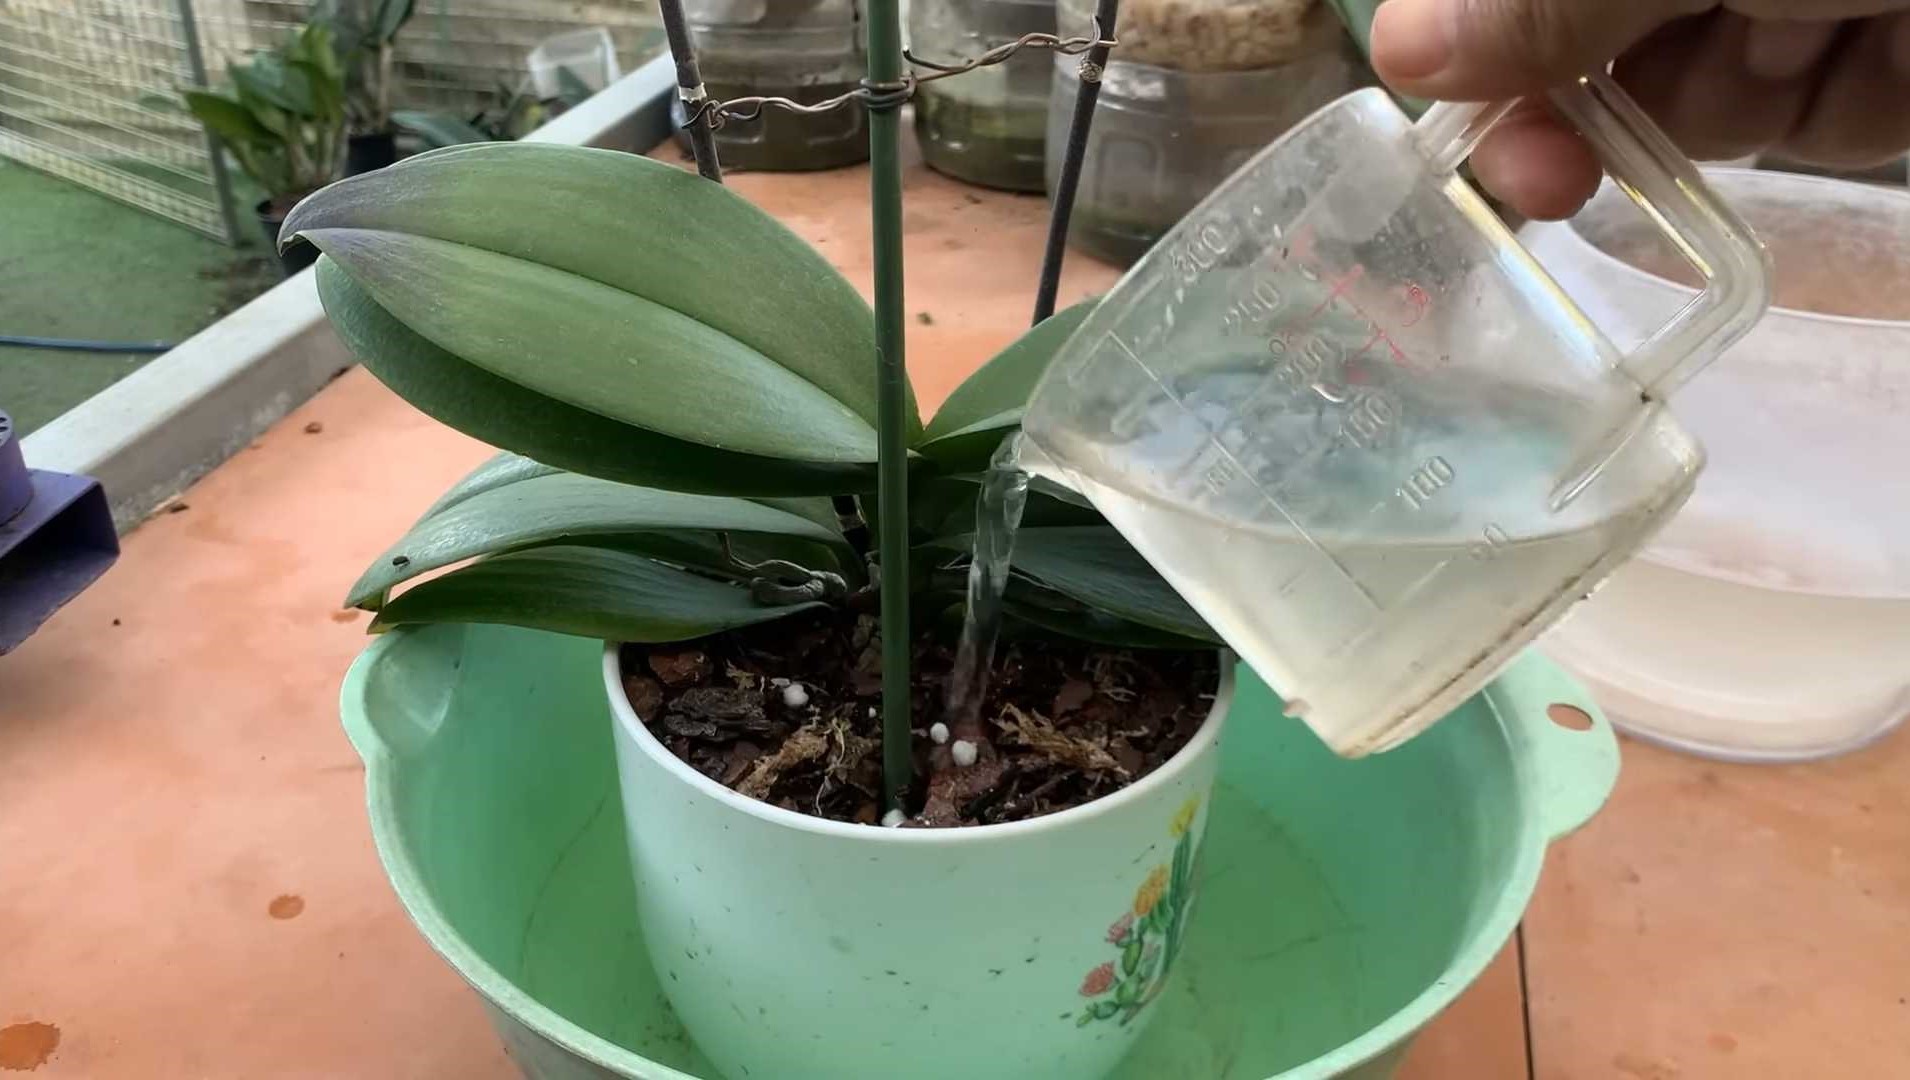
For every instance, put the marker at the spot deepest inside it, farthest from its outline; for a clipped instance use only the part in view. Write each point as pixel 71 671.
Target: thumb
pixel 1487 50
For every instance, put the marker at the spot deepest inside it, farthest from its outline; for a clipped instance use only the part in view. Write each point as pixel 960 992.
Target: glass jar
pixel 987 126
pixel 1207 35
pixel 804 50
pixel 1163 139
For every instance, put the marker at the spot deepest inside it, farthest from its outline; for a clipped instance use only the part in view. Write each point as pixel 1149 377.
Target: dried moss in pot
pixel 784 713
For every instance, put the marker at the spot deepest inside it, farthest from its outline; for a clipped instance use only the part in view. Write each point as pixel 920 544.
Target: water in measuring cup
pixel 1304 548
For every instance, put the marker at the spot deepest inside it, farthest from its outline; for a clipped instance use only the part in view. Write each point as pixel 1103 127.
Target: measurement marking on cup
pixel 1426 481
pixel 1339 286
pixel 1203 252
pixel 1493 540
pixel 1262 302
pixel 1253 481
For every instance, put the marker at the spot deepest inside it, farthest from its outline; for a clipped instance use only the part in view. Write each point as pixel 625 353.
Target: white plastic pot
pixel 1771 619
pixel 590 54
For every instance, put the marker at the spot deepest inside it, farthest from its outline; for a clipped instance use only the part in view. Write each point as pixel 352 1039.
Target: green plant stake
pixel 892 544
pixel 689 88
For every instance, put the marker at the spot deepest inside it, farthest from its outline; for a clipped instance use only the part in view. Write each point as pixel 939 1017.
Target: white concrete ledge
pixel 149 436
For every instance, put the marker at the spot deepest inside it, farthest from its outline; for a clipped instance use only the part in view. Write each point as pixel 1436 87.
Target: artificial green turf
pixel 78 265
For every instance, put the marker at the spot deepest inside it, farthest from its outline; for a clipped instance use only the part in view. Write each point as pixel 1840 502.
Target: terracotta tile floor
pixel 188 887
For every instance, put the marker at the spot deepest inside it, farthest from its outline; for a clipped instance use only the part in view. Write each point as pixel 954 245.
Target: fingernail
pixel 1411 39
pixel 1780 50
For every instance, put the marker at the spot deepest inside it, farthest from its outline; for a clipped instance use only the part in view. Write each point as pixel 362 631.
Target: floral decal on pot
pixel 1147 935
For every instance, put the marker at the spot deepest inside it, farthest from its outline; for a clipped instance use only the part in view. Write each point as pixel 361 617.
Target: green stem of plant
pixel 892 543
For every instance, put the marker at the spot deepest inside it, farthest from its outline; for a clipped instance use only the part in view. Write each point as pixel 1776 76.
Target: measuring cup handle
pixel 1669 189
pixel 1657 176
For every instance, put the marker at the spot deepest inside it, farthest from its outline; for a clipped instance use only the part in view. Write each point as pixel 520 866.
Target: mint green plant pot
pixel 1342 904
pixel 802 949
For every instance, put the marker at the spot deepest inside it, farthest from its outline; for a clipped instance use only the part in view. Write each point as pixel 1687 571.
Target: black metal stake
pixel 689 88
pixel 1063 211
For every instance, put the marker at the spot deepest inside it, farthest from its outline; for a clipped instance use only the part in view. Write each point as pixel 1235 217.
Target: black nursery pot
pixel 367 153
pixel 294 258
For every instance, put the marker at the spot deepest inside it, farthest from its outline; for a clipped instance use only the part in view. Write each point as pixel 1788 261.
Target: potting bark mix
pixel 788 713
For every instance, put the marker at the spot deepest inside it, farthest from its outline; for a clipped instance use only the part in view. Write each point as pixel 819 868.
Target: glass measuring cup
pixel 1350 419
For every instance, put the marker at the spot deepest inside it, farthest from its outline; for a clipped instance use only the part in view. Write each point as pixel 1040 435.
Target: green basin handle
pixel 1567 754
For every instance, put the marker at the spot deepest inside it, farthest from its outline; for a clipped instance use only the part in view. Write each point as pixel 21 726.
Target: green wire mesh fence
pixel 89 88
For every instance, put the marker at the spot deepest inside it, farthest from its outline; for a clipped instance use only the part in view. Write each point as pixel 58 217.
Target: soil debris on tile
pixel 27 1045
pixel 1066 723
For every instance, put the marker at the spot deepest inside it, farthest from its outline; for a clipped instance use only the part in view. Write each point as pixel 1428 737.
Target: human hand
pixel 1825 82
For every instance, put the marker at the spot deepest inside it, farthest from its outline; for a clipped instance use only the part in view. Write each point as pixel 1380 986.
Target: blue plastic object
pixel 56 538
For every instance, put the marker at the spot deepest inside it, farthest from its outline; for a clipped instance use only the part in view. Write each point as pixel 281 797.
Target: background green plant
pixel 365 34
pixel 282 115
pixel 511 113
pixel 666 366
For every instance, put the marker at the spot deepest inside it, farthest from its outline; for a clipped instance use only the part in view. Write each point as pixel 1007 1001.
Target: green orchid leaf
pixel 1095 567
pixel 565 507
pixel 598 348
pixel 636 290
pixel 507 415
pixel 1056 614
pixel 589 592
pixel 938 505
pixel 820 512
pixel 969 426
pixel 503 468
pixel 703 552
pixel 1098 568
pixel 1130 957
pixel 945 505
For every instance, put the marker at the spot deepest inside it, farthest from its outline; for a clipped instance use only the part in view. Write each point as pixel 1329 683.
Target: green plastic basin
pixel 1343 903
